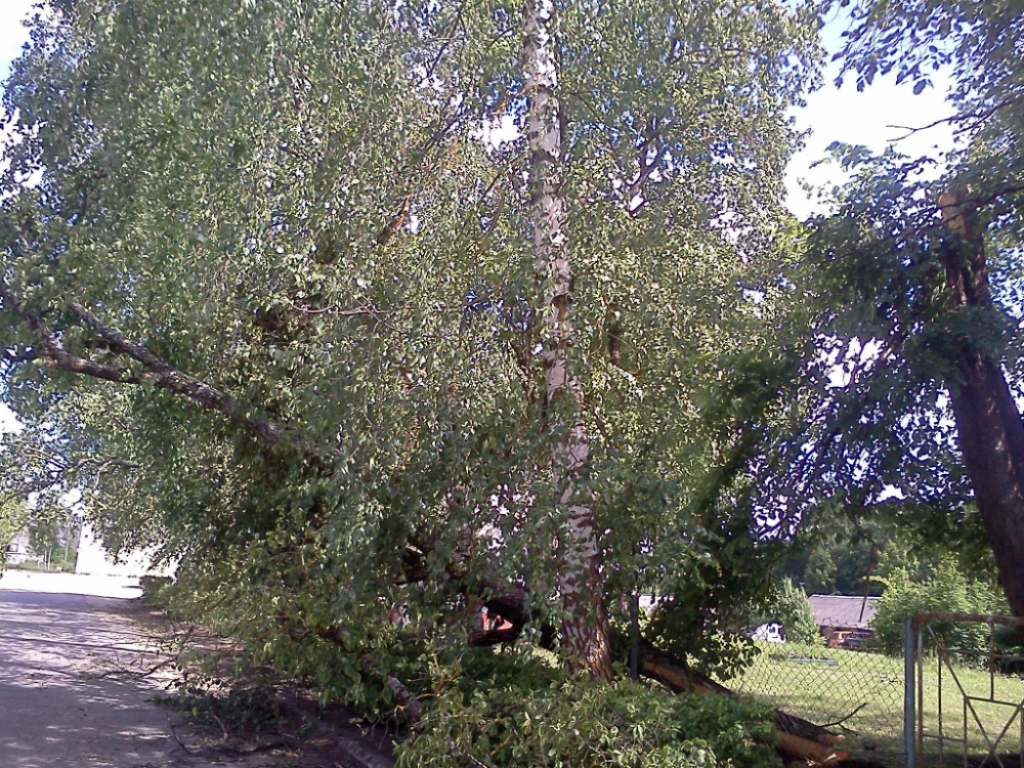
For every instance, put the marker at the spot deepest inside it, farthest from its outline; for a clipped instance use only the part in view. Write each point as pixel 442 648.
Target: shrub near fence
pixel 860 693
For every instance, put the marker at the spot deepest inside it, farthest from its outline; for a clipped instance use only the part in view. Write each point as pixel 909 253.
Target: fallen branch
pixel 174 733
pixel 125 670
pixel 844 719
pixel 796 737
pixel 407 700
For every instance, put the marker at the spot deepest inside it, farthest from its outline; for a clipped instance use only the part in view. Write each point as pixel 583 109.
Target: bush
pixel 153 587
pixel 1009 641
pixel 506 721
pixel 787 603
pixel 794 611
pixel 948 591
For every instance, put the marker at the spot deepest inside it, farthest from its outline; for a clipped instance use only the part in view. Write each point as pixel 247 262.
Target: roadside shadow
pixel 52 713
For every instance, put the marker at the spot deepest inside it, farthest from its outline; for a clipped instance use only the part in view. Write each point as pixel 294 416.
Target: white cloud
pixel 867 118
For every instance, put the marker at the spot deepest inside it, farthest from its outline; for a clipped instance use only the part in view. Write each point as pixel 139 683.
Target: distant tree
pixel 53 531
pixel 13 515
pixel 44 537
pixel 818 569
pixel 790 606
pixel 787 603
pixel 945 589
pixel 835 556
pixel 796 614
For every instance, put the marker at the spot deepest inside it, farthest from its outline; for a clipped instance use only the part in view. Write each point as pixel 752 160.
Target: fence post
pixel 909 691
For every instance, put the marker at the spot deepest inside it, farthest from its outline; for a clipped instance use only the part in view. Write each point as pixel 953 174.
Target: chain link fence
pixel 858 693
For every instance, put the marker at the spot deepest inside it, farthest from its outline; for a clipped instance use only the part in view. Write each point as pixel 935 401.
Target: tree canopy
pixel 913 363
pixel 375 314
pixel 276 287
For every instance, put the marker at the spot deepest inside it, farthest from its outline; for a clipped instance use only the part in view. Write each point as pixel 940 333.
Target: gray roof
pixel 845 611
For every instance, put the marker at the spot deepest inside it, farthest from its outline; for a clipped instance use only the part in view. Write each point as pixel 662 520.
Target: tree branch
pixel 117 340
pixel 156 372
pixel 55 353
pixel 975 119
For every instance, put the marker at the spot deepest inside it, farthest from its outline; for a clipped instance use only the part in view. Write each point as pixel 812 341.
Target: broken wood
pixel 800 748
pixel 797 738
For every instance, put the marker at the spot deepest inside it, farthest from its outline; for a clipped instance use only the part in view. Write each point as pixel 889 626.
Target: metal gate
pixel 967 706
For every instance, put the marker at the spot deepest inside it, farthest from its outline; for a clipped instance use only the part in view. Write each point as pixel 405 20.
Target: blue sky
pixel 12 33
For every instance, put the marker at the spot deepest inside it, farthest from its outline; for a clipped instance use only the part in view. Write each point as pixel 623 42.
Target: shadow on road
pixel 74 692
pixel 57 707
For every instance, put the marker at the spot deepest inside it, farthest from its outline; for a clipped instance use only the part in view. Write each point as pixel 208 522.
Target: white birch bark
pixel 584 624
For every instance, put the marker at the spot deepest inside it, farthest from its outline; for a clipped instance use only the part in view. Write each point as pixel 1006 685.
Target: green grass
pixel 872 684
pixel 32 565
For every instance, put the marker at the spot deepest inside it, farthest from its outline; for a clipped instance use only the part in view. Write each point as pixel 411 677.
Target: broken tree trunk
pixel 797 738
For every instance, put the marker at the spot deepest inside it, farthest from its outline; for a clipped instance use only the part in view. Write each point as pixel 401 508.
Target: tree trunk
pixel 988 423
pixel 585 624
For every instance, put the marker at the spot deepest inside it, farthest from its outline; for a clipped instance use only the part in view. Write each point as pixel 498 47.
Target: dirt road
pixel 75 691
pixel 58 635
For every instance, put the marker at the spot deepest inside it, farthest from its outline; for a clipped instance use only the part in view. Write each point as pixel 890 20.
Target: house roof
pixel 847 611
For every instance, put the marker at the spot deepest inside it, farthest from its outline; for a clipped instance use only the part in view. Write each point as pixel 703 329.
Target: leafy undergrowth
pixel 494 708
pixel 515 710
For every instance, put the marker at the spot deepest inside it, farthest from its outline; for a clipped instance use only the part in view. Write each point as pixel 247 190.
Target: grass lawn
pixel 827 685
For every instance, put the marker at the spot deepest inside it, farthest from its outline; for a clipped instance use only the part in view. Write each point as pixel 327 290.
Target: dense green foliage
pixel 53 535
pixel 271 298
pixel 945 590
pixel 13 514
pixel 524 714
pixel 843 558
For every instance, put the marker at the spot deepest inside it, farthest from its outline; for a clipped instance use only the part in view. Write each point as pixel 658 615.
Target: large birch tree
pixel 585 626
pixel 358 305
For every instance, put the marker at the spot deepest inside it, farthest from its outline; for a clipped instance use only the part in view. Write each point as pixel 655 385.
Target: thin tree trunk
pixel 988 423
pixel 585 624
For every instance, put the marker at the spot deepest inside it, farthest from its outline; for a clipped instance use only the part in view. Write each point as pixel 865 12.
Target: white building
pixel 96 560
pixel 18 549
